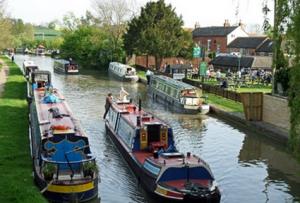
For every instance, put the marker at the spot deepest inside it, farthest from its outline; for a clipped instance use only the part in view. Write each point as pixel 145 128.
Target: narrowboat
pixel 123 72
pixel 147 145
pixel 65 67
pixel 64 168
pixel 181 97
pixel 29 67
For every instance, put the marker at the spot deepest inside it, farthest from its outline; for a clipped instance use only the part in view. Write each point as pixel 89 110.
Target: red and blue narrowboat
pixel 147 145
pixel 64 168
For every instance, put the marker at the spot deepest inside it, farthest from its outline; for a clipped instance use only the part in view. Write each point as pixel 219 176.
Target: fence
pixel 228 94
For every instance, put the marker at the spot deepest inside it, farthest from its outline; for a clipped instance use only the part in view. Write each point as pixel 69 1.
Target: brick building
pixel 216 38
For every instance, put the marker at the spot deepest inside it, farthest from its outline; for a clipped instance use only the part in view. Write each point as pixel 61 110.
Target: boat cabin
pixel 140 130
pixel 122 69
pixel 40 79
pixel 66 66
pixel 176 89
pixel 28 67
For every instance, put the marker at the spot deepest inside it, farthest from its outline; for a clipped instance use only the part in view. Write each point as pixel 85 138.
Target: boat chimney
pixel 138 121
pixel 155 154
pixel 140 105
pixel 188 154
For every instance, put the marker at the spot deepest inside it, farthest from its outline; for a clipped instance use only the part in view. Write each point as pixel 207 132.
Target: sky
pixel 205 12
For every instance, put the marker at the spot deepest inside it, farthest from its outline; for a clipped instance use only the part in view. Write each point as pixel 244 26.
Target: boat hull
pixel 174 104
pixel 123 77
pixel 148 181
pixel 61 71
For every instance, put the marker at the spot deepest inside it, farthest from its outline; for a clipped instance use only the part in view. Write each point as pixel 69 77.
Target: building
pixel 250 46
pixel 216 38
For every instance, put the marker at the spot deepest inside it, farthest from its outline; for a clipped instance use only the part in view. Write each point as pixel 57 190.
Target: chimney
pixel 197 25
pixel 226 23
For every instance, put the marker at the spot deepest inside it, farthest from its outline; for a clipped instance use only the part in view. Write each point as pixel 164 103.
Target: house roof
pixel 232 61
pixel 213 31
pixel 247 42
pixel 264 62
pixel 267 46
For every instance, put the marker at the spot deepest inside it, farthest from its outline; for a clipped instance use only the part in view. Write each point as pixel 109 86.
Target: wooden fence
pixel 252 101
pixel 228 94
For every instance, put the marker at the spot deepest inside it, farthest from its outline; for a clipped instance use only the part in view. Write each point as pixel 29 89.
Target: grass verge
pixel 16 183
pixel 224 104
pixel 141 74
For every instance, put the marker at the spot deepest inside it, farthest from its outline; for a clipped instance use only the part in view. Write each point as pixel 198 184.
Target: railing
pixel 72 165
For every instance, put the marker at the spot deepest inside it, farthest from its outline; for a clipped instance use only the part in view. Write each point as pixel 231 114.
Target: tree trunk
pixel 158 60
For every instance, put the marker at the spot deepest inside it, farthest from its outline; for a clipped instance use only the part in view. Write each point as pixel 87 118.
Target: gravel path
pixel 3 76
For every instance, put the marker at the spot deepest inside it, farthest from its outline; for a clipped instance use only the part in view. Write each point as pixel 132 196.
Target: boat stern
pixel 187 184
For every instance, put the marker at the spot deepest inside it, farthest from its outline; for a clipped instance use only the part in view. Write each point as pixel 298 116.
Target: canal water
pixel 247 167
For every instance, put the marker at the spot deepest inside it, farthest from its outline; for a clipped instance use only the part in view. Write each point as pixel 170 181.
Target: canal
pixel 248 167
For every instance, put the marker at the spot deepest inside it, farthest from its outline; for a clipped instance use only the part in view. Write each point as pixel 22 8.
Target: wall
pixel 276 111
pixel 238 32
pixel 214 41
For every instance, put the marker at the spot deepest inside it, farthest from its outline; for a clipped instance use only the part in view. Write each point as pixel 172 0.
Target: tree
pixel 157 32
pixel 89 46
pixel 70 22
pixel 5 29
pixel 187 45
pixel 112 18
pixel 294 91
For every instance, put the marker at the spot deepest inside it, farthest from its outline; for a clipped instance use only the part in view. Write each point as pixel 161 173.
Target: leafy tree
pixel 294 91
pixel 90 47
pixel 187 45
pixel 5 29
pixel 70 22
pixel 157 32
pixel 112 18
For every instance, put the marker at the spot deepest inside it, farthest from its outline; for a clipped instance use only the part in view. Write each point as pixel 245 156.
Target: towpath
pixel 4 71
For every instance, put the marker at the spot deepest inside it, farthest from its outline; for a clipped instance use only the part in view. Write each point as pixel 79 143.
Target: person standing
pixel 12 57
pixel 108 103
pixel 148 76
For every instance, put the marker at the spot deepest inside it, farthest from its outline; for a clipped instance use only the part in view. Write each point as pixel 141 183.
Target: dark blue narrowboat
pixel 64 168
pixel 147 145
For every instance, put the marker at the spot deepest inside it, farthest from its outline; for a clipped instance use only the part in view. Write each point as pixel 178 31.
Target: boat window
pixel 192 101
pixel 173 173
pixel 169 90
pixel 153 133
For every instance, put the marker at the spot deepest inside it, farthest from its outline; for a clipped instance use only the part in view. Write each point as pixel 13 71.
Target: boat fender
pixel 60 127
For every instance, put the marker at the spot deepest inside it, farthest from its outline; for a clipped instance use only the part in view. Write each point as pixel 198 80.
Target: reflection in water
pixel 248 167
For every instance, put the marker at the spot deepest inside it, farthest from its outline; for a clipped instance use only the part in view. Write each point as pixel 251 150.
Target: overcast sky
pixel 206 12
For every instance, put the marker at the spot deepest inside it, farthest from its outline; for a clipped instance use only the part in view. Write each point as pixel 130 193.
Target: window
pixel 208 44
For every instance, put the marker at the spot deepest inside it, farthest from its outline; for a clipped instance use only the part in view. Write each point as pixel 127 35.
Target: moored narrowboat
pixel 123 72
pixel 181 97
pixel 65 67
pixel 64 168
pixel 147 144
pixel 29 67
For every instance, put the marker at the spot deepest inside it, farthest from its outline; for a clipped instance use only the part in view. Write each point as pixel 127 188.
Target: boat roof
pixel 121 65
pixel 62 61
pixel 47 124
pixel 130 115
pixel 178 84
pixel 29 63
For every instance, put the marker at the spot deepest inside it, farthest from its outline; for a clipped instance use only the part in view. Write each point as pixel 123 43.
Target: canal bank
pixel 16 183
pixel 247 166
pixel 233 112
